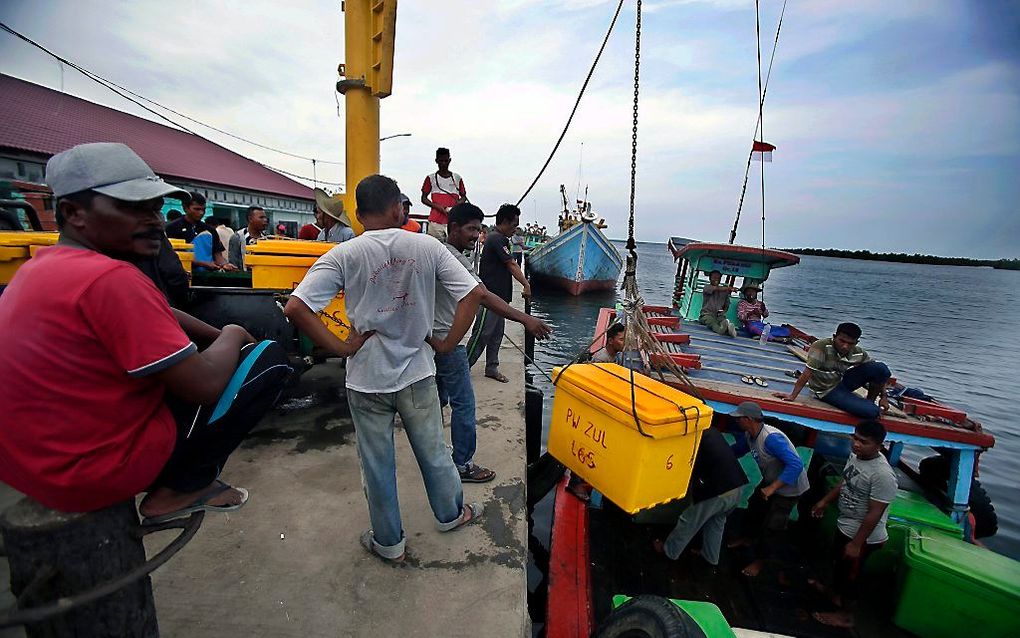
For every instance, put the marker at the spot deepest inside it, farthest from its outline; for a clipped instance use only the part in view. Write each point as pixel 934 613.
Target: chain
pixel 631 245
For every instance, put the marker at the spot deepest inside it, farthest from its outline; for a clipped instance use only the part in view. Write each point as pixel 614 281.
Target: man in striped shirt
pixel 836 367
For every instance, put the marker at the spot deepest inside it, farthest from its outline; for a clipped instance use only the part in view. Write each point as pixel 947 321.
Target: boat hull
pixel 577 261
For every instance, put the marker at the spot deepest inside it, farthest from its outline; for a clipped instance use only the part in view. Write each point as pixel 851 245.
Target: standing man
pixel 191 225
pixel 453 372
pixel 715 491
pixel 867 488
pixel 783 481
pixel 496 269
pixel 112 396
pixel 336 225
pixel 390 277
pixel 441 191
pixel 258 222
pixel 715 302
pixel 836 367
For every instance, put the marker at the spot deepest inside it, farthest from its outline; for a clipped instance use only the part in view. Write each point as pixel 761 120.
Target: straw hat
pixel 332 206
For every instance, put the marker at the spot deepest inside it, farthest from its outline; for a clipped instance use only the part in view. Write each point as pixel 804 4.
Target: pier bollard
pixel 84 574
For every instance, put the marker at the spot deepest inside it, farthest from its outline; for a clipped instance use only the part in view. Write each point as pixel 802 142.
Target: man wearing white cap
pixel 111 396
pixel 336 225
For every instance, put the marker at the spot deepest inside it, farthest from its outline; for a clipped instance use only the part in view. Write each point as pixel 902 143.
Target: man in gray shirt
pixel 868 487
pixel 715 302
pixel 390 277
pixel 453 372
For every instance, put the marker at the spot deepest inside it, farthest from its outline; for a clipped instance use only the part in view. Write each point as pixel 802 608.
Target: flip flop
pixel 470 513
pixel 759 381
pixel 202 505
pixel 499 376
pixel 746 379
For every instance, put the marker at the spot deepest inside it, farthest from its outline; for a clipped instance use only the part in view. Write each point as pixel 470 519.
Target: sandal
pixel 201 504
pixel 470 513
pixel 747 379
pixel 499 376
pixel 472 473
pixel 760 381
pixel 368 542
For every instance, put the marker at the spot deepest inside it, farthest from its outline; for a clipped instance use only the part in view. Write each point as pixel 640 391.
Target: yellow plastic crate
pixel 28 238
pixel 285 272
pixel 294 247
pixel 179 245
pixel 593 432
pixel 11 258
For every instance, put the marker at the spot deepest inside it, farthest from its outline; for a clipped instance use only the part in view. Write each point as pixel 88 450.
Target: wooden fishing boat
pixel 580 259
pixel 600 551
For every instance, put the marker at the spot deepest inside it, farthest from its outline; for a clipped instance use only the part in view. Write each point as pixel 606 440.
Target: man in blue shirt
pixel 784 480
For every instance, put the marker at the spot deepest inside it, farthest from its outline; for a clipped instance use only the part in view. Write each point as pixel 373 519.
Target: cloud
pixel 883 112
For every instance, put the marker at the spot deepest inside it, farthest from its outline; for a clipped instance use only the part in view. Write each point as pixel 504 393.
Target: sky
pixel 897 124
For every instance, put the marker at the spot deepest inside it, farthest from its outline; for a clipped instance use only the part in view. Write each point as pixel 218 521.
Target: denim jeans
pixel 710 517
pixel 843 397
pixel 418 407
pixel 453 376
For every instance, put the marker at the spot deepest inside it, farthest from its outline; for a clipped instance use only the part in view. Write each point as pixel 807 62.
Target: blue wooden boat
pixel 580 259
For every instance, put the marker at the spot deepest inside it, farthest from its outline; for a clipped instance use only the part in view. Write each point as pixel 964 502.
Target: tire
pixel 649 617
pixel 934 472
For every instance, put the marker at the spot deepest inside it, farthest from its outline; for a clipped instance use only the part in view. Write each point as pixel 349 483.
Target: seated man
pixel 610 353
pixel 836 367
pixel 752 312
pixel 867 488
pixel 714 305
pixel 105 393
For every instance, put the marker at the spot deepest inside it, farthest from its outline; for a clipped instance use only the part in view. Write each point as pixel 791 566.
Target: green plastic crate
pixel 951 588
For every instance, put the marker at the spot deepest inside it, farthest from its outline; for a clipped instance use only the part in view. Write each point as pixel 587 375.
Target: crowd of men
pixel 109 341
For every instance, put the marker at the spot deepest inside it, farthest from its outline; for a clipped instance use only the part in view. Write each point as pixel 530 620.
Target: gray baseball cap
pixel 748 409
pixel 108 168
pixel 404 199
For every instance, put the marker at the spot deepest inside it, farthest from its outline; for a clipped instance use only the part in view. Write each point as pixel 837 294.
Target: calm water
pixel 945 329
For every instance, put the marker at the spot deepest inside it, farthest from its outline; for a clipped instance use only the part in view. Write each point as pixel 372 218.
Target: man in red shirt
pixel 441 191
pixel 105 391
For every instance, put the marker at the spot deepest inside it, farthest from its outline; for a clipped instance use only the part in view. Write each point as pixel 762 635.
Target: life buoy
pixel 651 617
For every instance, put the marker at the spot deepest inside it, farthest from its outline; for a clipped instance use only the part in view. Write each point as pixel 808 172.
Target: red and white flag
pixel 762 151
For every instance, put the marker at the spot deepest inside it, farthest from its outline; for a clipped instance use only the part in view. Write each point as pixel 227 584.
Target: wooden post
pixel 67 554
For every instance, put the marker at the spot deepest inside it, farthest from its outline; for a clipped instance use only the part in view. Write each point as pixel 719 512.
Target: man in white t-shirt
pixel 441 191
pixel 868 487
pixel 390 278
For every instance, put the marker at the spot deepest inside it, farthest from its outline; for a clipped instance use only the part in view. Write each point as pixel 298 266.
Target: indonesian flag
pixel 762 151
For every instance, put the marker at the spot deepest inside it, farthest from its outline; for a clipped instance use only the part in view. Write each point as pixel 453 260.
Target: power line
pixel 117 88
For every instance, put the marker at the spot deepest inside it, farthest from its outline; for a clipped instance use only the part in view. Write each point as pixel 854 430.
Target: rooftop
pixel 36 119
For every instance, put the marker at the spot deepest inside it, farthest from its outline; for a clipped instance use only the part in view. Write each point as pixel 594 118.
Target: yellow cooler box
pixel 593 432
pixel 17 247
pixel 281 265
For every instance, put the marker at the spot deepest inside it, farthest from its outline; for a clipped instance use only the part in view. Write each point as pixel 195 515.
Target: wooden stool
pixel 83 574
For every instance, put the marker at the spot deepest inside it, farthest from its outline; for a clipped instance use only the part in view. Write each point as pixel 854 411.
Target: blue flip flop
pixel 202 505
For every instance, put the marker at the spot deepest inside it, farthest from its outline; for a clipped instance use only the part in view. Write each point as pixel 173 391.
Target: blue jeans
pixel 453 376
pixel 843 397
pixel 418 407
pixel 709 516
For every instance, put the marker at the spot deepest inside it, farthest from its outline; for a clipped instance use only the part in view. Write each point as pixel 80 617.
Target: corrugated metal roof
pixel 36 119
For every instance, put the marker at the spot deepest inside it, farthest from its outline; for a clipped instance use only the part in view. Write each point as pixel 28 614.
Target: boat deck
pixel 724 361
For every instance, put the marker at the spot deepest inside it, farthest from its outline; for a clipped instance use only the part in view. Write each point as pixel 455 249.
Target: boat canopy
pixel 698 258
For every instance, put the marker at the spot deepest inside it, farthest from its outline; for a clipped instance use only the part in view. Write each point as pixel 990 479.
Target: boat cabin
pixel 696 259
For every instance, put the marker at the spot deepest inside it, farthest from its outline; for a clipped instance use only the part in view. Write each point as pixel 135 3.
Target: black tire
pixel 649 617
pixel 934 473
pixel 986 521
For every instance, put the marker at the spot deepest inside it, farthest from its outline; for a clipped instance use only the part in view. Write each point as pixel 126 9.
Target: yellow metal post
pixel 369 32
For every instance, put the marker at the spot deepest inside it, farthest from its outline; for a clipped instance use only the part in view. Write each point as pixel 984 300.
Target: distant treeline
pixel 916 258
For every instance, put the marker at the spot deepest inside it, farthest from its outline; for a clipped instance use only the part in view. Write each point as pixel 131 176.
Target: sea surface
pixel 949 330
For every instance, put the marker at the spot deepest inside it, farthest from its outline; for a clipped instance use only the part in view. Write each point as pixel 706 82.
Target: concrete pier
pixel 289 563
